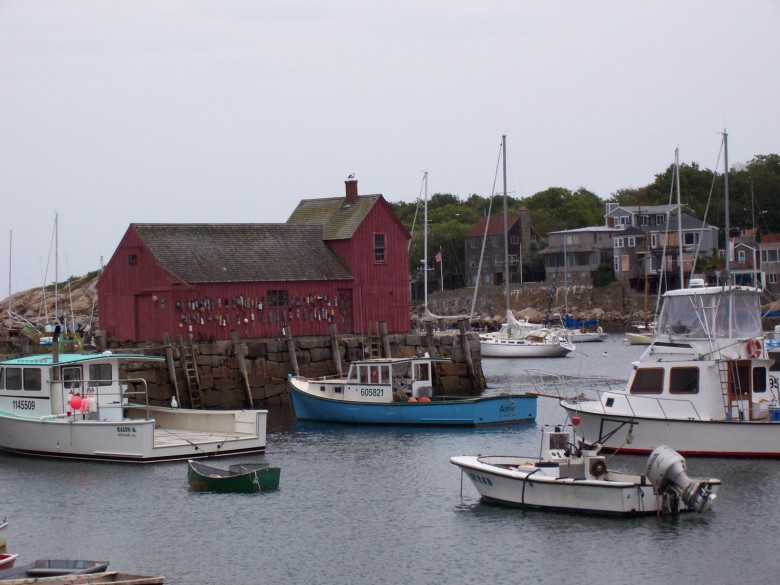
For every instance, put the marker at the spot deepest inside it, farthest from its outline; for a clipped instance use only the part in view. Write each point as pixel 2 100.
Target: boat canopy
pixel 711 313
pixel 571 323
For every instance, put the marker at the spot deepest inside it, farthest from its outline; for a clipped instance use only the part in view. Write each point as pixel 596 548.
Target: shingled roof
pixel 495 226
pixel 339 219
pixel 242 252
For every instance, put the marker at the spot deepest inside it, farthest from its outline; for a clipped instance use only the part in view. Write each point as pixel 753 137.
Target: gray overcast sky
pixel 114 112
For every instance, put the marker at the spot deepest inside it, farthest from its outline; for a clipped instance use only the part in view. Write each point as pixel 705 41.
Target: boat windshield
pixel 721 314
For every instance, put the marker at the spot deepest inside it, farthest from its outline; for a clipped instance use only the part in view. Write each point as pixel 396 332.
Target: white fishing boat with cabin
pixel 706 384
pixel 82 406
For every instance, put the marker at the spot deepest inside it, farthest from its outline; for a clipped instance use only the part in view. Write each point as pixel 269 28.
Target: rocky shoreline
pixel 616 306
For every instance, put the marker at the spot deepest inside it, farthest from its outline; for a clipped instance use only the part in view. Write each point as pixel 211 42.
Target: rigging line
pixel 416 211
pixel 663 249
pixel 707 207
pixel 484 235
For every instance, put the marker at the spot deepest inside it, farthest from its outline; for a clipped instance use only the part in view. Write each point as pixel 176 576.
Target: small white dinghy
pixel 567 478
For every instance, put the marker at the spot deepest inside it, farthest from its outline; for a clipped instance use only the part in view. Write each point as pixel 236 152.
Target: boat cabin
pixel 383 380
pixel 708 356
pixel 77 386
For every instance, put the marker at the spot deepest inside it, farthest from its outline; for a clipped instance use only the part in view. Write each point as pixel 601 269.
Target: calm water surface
pixel 384 505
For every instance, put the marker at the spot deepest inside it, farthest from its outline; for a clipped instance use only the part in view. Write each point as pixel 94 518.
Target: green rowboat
pixel 243 477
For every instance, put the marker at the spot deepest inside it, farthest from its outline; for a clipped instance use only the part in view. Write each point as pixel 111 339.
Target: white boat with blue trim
pixel 82 406
pixel 399 391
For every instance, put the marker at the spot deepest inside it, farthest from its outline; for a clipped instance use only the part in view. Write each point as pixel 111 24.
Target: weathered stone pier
pixel 253 372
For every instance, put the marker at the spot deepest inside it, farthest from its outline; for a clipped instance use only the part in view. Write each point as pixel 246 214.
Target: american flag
pixel 438 256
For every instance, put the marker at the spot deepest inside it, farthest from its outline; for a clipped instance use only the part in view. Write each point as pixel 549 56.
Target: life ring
pixel 754 348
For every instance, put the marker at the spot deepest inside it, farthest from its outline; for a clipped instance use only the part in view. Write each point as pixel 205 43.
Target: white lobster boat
pixel 81 406
pixel 706 384
pixel 567 478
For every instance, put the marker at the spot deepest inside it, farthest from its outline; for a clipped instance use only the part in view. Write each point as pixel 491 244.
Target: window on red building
pixel 379 247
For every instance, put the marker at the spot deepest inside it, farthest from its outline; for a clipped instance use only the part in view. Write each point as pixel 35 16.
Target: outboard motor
pixel 667 472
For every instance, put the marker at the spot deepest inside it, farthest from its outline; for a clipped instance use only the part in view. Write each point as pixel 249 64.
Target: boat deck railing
pixel 571 386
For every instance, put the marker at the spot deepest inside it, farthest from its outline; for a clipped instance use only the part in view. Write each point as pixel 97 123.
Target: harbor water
pixel 384 505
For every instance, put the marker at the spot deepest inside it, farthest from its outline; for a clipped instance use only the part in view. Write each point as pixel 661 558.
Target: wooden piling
pixel 464 342
pixel 429 338
pixel 171 365
pixel 291 350
pixel 385 339
pixel 335 350
pixel 241 352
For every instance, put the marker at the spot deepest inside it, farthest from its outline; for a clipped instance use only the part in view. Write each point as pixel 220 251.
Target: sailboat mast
pixel 726 203
pixel 679 216
pixel 506 228
pixel 565 278
pixel 425 240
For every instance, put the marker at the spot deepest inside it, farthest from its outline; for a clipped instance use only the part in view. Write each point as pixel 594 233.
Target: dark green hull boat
pixel 241 478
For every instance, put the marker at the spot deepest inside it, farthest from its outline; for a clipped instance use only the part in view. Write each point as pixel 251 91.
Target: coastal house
pixel 520 233
pixel 769 254
pixel 339 260
pixel 573 256
pixel 744 261
pixel 674 239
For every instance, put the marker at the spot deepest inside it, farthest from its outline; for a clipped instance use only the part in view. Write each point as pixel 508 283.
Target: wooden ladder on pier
pixel 190 366
pixel 374 343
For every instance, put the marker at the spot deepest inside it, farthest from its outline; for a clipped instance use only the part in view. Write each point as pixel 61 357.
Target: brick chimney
pixel 352 192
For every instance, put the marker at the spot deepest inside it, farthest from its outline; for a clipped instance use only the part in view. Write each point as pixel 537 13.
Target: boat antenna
pixel 10 259
pixel 56 266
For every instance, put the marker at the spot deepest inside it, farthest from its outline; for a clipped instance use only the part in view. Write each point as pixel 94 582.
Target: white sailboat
pixel 518 341
pixel 705 385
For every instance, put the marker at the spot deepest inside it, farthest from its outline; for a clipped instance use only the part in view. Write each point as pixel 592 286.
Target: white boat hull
pixel 638 338
pixel 516 348
pixel 758 438
pixel 499 480
pixel 168 435
pixel 587 336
